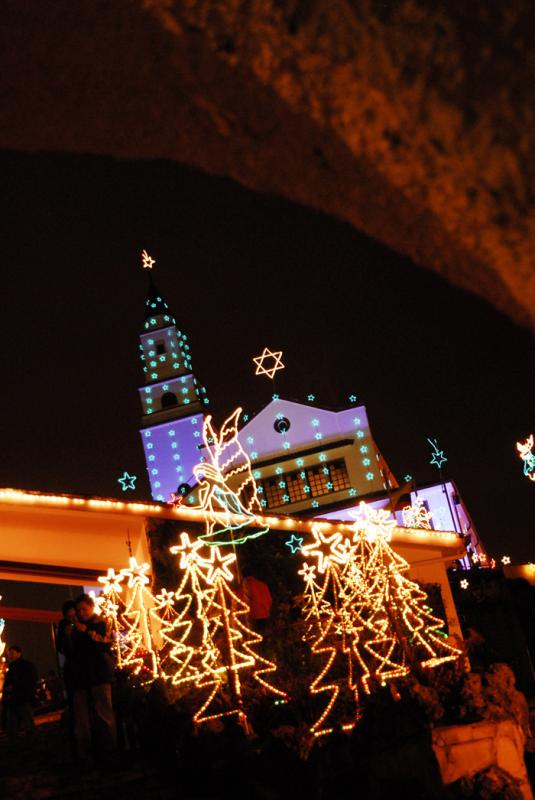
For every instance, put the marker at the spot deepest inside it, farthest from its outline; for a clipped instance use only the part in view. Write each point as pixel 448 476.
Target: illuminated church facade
pixel 307 461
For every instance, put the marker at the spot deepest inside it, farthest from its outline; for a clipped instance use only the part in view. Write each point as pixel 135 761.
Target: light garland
pixel 525 451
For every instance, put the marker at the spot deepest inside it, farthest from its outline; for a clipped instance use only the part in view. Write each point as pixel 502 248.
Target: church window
pixel 169 400
pixel 160 348
pixel 300 485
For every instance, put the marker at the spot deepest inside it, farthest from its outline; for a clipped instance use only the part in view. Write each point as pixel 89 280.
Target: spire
pixel 155 305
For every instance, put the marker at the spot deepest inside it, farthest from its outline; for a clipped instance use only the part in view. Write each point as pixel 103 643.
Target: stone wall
pixel 462 750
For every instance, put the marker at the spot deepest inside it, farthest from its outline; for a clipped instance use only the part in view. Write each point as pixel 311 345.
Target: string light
pixel 266 356
pixel 525 451
pixel 127 481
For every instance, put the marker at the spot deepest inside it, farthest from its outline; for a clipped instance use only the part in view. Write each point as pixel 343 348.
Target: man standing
pixel 92 677
pixel 19 693
pixel 64 647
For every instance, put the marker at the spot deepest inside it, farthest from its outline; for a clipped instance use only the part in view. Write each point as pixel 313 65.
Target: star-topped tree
pixel 368 622
pixel 214 646
pixel 135 617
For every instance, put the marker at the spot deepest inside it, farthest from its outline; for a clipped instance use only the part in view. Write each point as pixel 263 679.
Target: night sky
pixel 241 271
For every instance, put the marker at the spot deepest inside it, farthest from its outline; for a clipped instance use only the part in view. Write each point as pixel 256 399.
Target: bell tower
pixel 172 400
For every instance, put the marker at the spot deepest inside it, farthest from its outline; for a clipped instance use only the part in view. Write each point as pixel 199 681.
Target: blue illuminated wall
pixel 172 400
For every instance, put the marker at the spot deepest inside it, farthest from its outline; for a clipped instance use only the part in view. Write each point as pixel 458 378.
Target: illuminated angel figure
pixel 525 450
pixel 227 494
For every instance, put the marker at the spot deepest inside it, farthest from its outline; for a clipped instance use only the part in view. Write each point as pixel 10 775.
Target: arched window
pixel 169 400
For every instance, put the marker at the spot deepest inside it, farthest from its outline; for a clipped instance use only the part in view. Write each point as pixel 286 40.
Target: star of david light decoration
pixel 127 481
pixel 146 260
pixel 294 543
pixel 438 458
pixel 268 363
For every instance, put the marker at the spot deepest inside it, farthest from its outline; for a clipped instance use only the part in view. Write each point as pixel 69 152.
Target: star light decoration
pixel 506 560
pixel 464 584
pixel 437 458
pixel 366 622
pixel 127 481
pixel 2 625
pixel 271 357
pixel 525 451
pixel 146 260
pixel 295 543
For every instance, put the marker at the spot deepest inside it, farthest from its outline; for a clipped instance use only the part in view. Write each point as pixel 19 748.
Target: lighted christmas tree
pixel 215 648
pixel 164 617
pixel 364 617
pixel 402 632
pixel 139 651
pixel 110 605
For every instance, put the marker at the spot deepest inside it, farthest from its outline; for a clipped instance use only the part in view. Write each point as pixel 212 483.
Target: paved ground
pixel 41 769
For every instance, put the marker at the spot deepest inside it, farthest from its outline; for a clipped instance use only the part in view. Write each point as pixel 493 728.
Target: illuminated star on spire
pixel 146 260
pixel 294 543
pixel 276 363
pixel 127 481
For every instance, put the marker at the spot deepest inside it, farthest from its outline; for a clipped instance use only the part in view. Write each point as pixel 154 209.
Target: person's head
pixel 85 607
pixel 14 653
pixel 69 610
